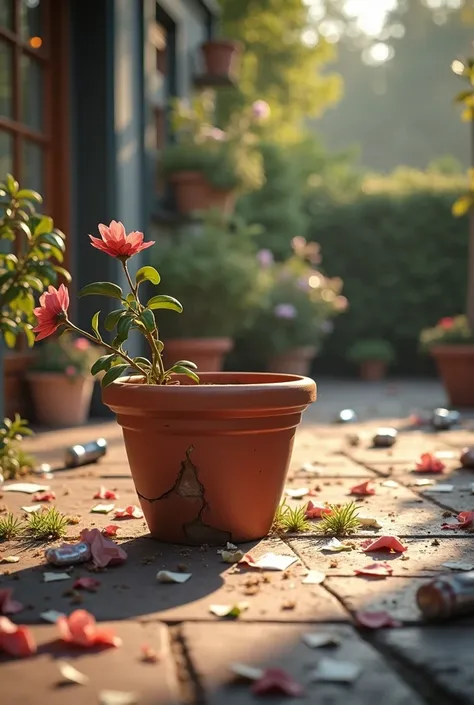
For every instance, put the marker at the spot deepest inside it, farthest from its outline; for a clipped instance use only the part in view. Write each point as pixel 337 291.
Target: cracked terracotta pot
pixel 455 365
pixel 209 461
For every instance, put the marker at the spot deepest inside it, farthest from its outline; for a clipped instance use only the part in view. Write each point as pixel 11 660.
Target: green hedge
pixel 403 260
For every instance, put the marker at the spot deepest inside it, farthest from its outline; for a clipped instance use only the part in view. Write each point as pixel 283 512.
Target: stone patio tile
pixel 440 654
pixel 422 558
pixel 37 679
pixel 406 450
pixel 132 591
pixel 336 465
pixel 213 648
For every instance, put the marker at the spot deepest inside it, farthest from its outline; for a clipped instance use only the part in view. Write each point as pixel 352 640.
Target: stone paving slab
pixel 214 648
pixel 406 450
pixel 39 680
pixel 441 655
pixel 337 465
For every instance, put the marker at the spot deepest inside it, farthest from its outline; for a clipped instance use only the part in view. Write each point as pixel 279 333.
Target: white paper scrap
pixel 333 671
pixel 9 559
pixel 228 610
pixel 71 674
pixel 31 509
pixel 297 492
pixel 312 468
pixel 167 576
pixel 54 577
pixel 273 561
pixel 390 483
pixel 441 488
pixel 316 640
pixel 335 545
pixel 458 565
pixel 228 547
pixel 248 672
pixel 314 577
pixel 117 697
pixel 422 482
pixel 26 487
pixel 51 616
pixel 445 454
pixel 102 508
pixel 370 521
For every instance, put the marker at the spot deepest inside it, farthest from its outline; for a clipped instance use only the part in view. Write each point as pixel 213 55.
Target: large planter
pixel 296 361
pixel 372 370
pixel 61 401
pixel 207 353
pixel 456 368
pixel 194 193
pixel 221 57
pixel 209 461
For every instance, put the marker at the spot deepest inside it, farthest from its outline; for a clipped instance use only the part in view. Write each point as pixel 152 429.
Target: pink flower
pixel 51 312
pixel 261 110
pixel 285 311
pixel 116 243
pixel 81 344
pixel 446 323
pixel 265 258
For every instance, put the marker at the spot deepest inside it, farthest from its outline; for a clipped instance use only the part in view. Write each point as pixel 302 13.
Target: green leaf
pixel 148 274
pixel 102 363
pixel 142 361
pixel 12 185
pixel 165 302
pixel 53 240
pixel 181 370
pixel 102 289
pixel 186 363
pixel 112 318
pixel 63 273
pixel 461 206
pixel 95 325
pixel 30 336
pixel 29 195
pixel 9 338
pixel 113 374
pixel 20 225
pixel 34 283
pixel 147 318
pixel 57 254
pixel 123 327
pixel 45 225
pixel 461 97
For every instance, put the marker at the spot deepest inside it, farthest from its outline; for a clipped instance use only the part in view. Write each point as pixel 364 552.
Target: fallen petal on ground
pixel 44 497
pixel 81 629
pixel 7 604
pixel 130 512
pixel 364 489
pixel 103 493
pixel 316 511
pixel 428 462
pixel 378 570
pixel 390 543
pixel 277 681
pixel 71 674
pixel 17 641
pixel 376 619
pixel 168 576
pixel 110 530
pixel 104 551
pixel 90 584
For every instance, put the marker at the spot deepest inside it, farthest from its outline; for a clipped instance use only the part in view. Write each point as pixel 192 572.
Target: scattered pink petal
pixel 277 681
pixel 465 519
pixel 104 551
pixel 316 511
pixel 248 559
pixel 7 605
pixel 378 570
pixel 313 493
pixel 110 530
pixel 364 489
pixel 90 584
pixel 17 641
pixel 384 542
pixel 81 629
pixel 429 463
pixel 376 620
pixel 44 497
pixel 130 512
pixel 105 494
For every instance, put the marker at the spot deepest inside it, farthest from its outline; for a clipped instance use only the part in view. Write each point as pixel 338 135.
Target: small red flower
pixel 81 629
pixel 429 463
pixel 102 493
pixel 51 312
pixel 316 511
pixel 446 323
pixel 17 641
pixel 277 681
pixel 116 243
pixel 364 489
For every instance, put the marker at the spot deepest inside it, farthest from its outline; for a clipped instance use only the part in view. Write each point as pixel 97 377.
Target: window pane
pixel 6 154
pixel 31 24
pixel 33 166
pixel 6 14
pixel 31 92
pixel 6 80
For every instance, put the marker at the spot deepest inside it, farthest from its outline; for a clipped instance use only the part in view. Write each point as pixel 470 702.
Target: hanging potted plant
pixel 202 447
pixel 221 57
pixel 208 167
pixel 372 357
pixel 60 381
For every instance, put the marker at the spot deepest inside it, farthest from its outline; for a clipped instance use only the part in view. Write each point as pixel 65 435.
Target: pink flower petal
pixel 277 681
pixel 110 530
pixel 104 551
pixel 376 620
pixel 379 570
pixel 130 512
pixel 81 629
pixel 17 641
pixel 7 605
pixel 90 584
pixel 248 559
pixel 44 497
pixel 364 489
pixel 316 511
pixel 103 493
pixel 429 463
pixel 465 519
pixel 390 543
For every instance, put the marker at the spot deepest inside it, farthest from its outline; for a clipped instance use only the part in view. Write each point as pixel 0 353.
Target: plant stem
pixel 106 345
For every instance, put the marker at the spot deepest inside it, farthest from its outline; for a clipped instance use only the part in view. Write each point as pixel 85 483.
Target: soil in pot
pixel 221 57
pixel 372 370
pixel 194 193
pixel 456 368
pixel 207 353
pixel 296 361
pixel 61 401
pixel 209 461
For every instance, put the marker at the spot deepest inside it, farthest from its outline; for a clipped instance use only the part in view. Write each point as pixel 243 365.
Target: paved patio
pixel 412 664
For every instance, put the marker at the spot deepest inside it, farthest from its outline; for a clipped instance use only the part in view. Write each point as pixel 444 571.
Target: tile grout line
pixel 191 689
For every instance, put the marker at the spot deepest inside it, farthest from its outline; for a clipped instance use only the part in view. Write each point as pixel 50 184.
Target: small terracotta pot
pixel 456 368
pixel 194 193
pixel 207 353
pixel 221 57
pixel 296 361
pixel 372 370
pixel 61 401
pixel 209 461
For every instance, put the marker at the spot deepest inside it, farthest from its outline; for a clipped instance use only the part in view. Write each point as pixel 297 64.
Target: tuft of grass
pixel 10 527
pixel 290 519
pixel 342 521
pixel 48 524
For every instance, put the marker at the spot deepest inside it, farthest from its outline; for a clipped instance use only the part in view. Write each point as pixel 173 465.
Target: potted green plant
pixel 202 447
pixel 60 381
pixel 221 57
pixel 372 357
pixel 208 166
pixel 217 265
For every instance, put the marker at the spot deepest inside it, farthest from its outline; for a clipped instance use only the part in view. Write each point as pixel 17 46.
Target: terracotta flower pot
pixel 372 370
pixel 296 361
pixel 209 461
pixel 207 353
pixel 456 368
pixel 221 57
pixel 194 193
pixel 61 401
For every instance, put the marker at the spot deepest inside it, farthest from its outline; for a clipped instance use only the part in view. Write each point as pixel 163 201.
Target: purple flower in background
pixel 285 311
pixel 260 110
pixel 265 258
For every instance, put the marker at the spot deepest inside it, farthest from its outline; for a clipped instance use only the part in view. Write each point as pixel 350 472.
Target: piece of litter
pixel 422 483
pixel 377 570
pixel 232 556
pixel 44 497
pixel 229 610
pixel 103 493
pixel 102 508
pixel 15 640
pixel 32 508
pixel 51 616
pixel 316 511
pixel 465 519
pixel 26 487
pixel 429 463
pixel 81 629
pixel 458 565
pixel 167 576
pixel 117 697
pixel 335 546
pixel 375 620
pixel 364 489
pixel 314 577
pixel 228 547
pixel 312 469
pixel 110 530
pixel 370 521
pixel 71 674
pixel 85 583
pixel 9 559
pixel 390 483
pixel 7 604
pixel 274 561
pixel 54 577
pixel 276 681
pixel 317 640
pixel 297 493
pixel 247 672
pixel 331 671
pixel 441 488
pixel 130 512
pixel 391 543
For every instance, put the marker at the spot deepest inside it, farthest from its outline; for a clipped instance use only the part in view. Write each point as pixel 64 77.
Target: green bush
pixel 371 351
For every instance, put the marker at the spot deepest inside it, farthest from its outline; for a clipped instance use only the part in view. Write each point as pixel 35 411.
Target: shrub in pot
pixel 214 272
pixel 202 447
pixel 209 166
pixel 372 357
pixel 61 383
